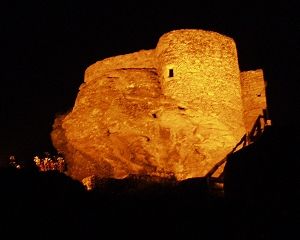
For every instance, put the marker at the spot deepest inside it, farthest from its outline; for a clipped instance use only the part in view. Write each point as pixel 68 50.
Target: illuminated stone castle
pixel 177 109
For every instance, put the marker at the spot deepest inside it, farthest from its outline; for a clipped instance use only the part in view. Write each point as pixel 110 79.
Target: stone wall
pixel 140 59
pixel 253 95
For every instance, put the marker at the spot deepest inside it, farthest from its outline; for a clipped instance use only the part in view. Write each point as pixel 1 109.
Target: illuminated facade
pixel 177 109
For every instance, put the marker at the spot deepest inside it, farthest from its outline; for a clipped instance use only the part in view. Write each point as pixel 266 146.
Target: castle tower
pixel 200 68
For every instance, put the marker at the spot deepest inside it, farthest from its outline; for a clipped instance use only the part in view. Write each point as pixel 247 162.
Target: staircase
pixel 215 177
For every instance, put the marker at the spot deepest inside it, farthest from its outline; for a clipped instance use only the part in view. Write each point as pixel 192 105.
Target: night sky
pixel 46 47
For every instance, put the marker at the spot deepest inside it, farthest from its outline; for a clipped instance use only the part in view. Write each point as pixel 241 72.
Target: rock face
pixel 175 110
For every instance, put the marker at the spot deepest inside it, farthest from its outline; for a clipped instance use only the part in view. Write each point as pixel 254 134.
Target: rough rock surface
pixel 253 95
pixel 131 117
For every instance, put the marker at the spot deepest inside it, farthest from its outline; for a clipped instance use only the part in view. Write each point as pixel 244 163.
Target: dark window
pixel 171 73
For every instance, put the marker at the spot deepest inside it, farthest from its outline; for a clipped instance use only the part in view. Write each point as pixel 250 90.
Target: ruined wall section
pixel 205 74
pixel 140 59
pixel 253 95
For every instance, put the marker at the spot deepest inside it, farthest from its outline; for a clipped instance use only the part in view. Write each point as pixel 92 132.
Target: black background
pixel 46 47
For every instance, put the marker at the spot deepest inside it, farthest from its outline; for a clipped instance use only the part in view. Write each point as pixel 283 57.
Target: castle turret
pixel 201 68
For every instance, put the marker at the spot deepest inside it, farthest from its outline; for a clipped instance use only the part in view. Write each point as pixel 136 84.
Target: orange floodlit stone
pixel 176 110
